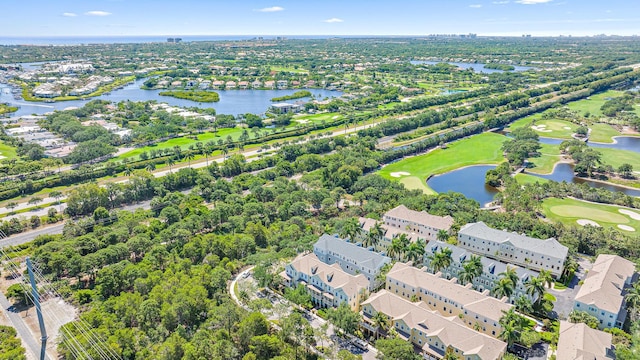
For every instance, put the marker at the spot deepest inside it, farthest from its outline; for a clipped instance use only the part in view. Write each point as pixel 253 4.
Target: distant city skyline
pixel 40 18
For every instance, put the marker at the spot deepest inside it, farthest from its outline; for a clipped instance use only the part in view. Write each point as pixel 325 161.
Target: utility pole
pixel 36 300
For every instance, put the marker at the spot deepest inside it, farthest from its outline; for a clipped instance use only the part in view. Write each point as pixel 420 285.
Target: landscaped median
pixel 476 150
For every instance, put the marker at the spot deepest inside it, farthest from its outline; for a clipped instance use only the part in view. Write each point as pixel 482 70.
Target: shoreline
pixel 563 161
pixel 610 183
pixel 614 138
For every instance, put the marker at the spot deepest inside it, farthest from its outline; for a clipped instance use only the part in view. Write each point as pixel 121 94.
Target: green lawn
pixel 544 163
pixel 478 149
pixel 317 117
pixel 593 103
pixel 524 179
pixel 615 157
pixel 7 151
pixel 289 69
pixel 602 133
pixel 558 129
pixel 569 211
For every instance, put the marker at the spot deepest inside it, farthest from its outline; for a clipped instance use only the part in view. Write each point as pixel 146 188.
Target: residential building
pixel 603 289
pixel 578 341
pixel 388 233
pixel 421 223
pixel 351 258
pixel 428 330
pixel 514 248
pixel 328 285
pixel 285 108
pixel 477 310
pixel 491 269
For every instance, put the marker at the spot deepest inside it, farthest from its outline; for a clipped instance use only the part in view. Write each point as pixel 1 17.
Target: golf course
pixel 577 212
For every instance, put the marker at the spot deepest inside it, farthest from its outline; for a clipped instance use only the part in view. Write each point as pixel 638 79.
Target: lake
pixel 477 67
pixel 231 102
pixel 468 181
pixel 622 143
pixel 564 172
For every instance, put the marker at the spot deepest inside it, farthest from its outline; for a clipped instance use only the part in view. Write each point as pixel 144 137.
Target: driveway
pixel 564 298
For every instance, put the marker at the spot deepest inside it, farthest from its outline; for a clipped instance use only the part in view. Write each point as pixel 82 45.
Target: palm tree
pixel 509 334
pixel 224 151
pixel 150 167
pixel 511 274
pixel 504 287
pixel 546 277
pixel 471 269
pixel 395 249
pixel 127 171
pixel 440 259
pixel 633 300
pixel 171 161
pixel 442 235
pixel 190 156
pixel 382 322
pixel 535 288
pixel 351 229
pixel 404 241
pixel 415 251
pixel 523 304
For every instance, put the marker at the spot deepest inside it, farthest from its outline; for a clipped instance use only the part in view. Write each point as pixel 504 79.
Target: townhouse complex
pixel 578 341
pixel 514 248
pixel 428 330
pixel 602 293
pixel 491 269
pixel 478 310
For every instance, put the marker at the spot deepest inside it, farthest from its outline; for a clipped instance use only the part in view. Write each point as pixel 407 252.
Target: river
pixel 477 67
pixel 231 102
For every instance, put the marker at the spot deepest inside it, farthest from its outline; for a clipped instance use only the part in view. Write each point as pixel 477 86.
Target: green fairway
pixel 7 152
pixel 524 179
pixel 544 164
pixel 602 133
pixel 558 129
pixel 593 103
pixel 569 211
pixel 615 157
pixel 478 149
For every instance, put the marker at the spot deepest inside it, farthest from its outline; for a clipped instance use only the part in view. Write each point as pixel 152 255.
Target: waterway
pixel 564 172
pixel 468 181
pixel 477 67
pixel 622 143
pixel 231 102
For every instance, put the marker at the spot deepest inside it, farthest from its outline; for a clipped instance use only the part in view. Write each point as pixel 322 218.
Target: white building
pixel 328 285
pixel 423 224
pixel 602 293
pixel 352 258
pixel 514 248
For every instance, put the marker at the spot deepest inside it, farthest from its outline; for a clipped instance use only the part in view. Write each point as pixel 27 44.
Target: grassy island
pixel 496 66
pixel 295 95
pixel 194 95
pixel 4 108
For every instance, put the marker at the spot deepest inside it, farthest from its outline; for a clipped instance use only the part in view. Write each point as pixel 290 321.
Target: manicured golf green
pixel 569 211
pixel 524 179
pixel 602 133
pixel 615 157
pixel 544 164
pixel 558 129
pixel 478 149
pixel 593 103
pixel 6 151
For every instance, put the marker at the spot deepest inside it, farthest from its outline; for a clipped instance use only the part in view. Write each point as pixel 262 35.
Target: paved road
pixel 28 339
pixel 565 298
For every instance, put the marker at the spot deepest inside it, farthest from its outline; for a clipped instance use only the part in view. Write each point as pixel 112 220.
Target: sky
pixel 83 18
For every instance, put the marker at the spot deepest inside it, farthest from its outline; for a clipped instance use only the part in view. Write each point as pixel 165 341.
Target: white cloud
pixel 271 9
pixel 475 6
pixel 97 13
pixel 533 2
pixel 69 14
pixel 333 20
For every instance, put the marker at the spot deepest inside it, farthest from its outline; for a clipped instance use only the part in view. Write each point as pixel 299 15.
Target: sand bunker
pixel 541 128
pixel 335 117
pixel 567 128
pixel 584 222
pixel 632 214
pixel 303 121
pixel 626 228
pixel 399 174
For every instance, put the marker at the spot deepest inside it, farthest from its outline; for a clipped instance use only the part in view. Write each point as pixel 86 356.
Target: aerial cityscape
pixel 340 180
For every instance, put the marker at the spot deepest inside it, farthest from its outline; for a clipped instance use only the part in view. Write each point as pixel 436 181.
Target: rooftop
pixel 604 283
pixel 363 257
pixel 578 341
pixel 475 301
pixel 450 330
pixel 549 246
pixel 421 217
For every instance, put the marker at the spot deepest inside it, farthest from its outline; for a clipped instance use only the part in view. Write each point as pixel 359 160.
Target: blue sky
pixel 40 18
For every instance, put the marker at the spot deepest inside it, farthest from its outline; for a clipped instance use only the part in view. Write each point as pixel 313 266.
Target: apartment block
pixel 514 248
pixel 421 223
pixel 491 269
pixel 352 258
pixel 328 285
pixel 602 292
pixel 578 341
pixel 430 331
pixel 477 310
